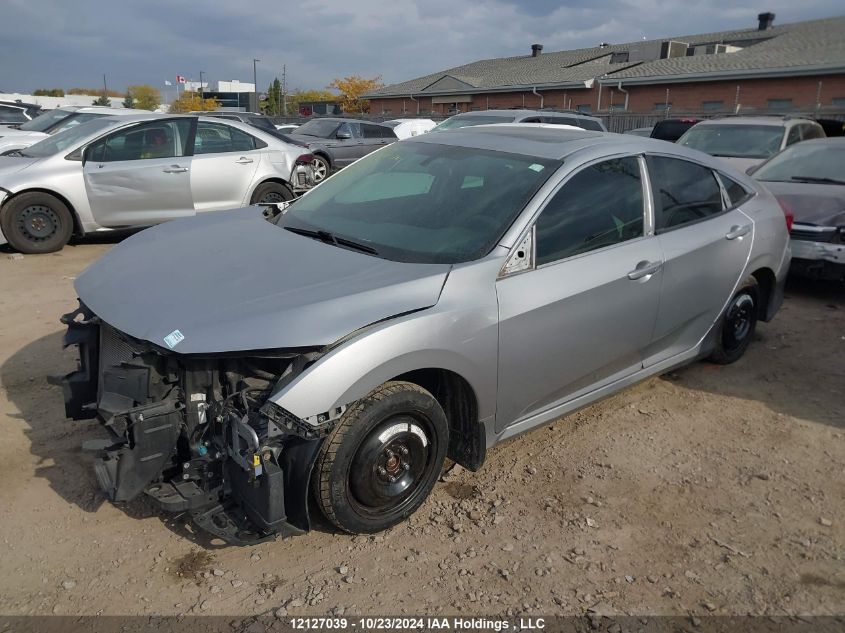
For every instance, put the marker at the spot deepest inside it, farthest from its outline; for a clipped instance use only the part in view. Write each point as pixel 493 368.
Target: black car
pixel 672 129
pixel 14 113
pixel 337 142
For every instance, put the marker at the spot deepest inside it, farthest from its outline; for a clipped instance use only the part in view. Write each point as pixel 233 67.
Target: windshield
pixel 68 139
pixel 76 119
pixel 319 128
pixel 738 141
pixel 468 120
pixel 45 121
pixel 812 161
pixel 422 202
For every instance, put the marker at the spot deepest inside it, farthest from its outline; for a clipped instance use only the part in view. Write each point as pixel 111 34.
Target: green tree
pixel 102 100
pixel 145 97
pixel 273 105
pixel 49 92
pixel 351 88
pixel 128 100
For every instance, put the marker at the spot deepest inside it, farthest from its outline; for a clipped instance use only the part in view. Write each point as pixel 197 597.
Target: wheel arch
pixel 264 181
pixel 766 283
pixel 78 231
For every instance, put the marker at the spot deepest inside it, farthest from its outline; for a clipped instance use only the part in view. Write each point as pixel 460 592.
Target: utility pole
pixel 255 81
pixel 284 89
pixel 201 89
pixel 105 88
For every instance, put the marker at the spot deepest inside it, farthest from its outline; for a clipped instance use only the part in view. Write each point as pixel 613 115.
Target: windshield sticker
pixel 174 338
pixel 536 167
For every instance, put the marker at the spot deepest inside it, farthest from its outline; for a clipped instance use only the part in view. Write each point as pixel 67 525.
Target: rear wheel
pixel 36 222
pixel 322 169
pixel 738 324
pixel 271 193
pixel 382 459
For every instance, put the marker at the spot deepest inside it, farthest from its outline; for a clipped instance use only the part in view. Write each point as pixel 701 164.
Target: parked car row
pixel 433 299
pixel 138 170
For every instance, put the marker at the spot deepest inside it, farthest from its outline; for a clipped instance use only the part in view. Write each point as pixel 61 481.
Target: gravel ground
pixel 708 490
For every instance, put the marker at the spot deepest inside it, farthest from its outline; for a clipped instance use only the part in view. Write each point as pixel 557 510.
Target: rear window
pixel 671 130
pixel 737 141
pixel 589 124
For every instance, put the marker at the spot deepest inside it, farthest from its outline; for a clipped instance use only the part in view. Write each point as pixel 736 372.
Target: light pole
pixel 201 90
pixel 255 80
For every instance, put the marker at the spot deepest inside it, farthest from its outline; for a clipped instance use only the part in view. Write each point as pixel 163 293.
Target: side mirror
pixel 751 169
pixel 343 135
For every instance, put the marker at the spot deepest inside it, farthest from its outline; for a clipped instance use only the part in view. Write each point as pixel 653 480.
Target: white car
pixel 52 122
pixel 406 128
pixel 140 170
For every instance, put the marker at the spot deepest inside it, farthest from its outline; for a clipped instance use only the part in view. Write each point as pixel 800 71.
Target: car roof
pixel 345 120
pixel 773 121
pixel 518 112
pixel 550 141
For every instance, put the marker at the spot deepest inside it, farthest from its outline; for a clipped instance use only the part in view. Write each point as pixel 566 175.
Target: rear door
pixel 224 165
pixel 584 315
pixel 706 243
pixel 140 175
pixel 376 136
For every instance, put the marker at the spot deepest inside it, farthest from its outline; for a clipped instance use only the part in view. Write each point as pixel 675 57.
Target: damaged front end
pixel 196 433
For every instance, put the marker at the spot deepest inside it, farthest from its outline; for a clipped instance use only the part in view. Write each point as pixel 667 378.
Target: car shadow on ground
pixel 57 441
pixel 99 237
pixel 794 368
pixel 795 365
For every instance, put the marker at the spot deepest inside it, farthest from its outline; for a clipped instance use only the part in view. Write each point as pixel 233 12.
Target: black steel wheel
pixel 36 222
pixel 271 193
pixel 738 324
pixel 382 459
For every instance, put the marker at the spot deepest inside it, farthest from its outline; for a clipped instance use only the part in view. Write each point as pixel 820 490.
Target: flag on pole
pixel 180 79
pixel 167 83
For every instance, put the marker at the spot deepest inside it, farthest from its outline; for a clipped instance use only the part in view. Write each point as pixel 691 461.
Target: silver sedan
pixel 434 298
pixel 139 170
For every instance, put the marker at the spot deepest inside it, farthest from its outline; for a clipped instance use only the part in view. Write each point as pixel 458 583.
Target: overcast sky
pixel 62 43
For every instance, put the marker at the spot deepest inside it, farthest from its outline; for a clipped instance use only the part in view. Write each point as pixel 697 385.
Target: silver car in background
pixel 139 170
pixel 434 298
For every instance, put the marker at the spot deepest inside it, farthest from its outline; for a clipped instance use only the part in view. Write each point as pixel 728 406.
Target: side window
pixel 373 131
pixel 684 192
pixel 218 138
pixel 737 194
pixel 351 128
pixel 156 139
pixel 599 206
pixel 794 135
pixel 811 131
pixel 589 124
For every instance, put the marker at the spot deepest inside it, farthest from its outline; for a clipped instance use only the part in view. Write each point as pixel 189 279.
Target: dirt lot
pixel 712 489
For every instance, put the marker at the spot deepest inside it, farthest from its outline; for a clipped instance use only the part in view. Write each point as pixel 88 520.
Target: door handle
pixel 243 160
pixel 644 269
pixel 175 169
pixel 738 231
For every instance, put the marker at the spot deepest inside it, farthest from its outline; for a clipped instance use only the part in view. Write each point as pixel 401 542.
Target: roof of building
pixel 815 46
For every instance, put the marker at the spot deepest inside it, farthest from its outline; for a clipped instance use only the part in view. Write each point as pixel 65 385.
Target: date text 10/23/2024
pixel 415 623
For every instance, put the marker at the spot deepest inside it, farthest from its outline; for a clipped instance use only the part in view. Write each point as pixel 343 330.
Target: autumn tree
pixel 352 88
pixel 93 91
pixel 49 92
pixel 190 101
pixel 307 96
pixel 144 97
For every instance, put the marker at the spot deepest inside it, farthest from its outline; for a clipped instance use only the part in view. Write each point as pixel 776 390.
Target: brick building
pixel 788 67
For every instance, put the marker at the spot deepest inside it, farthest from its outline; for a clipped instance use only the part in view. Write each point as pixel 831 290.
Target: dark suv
pixel 336 142
pixel 14 113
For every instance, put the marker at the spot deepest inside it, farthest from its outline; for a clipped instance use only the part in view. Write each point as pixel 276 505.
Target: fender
pixel 445 336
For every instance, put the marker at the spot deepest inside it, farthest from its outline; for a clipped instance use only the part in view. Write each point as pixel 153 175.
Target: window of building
pixel 780 104
pixel 584 107
pixel 685 192
pixel 838 101
pixel 712 105
pixel 619 57
pixel 599 206
pixel 663 105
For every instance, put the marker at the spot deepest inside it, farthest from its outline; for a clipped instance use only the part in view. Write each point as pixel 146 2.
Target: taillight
pixel 305 159
pixel 788 213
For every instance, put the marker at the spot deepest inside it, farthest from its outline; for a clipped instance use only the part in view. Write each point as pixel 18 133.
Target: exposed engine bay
pixel 196 433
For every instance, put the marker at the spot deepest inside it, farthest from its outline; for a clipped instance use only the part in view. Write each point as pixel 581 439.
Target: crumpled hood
pixel 12 165
pixel 231 281
pixel 812 203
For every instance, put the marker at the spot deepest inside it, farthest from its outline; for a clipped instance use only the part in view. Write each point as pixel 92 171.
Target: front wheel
pixel 322 169
pixel 381 461
pixel 738 324
pixel 36 222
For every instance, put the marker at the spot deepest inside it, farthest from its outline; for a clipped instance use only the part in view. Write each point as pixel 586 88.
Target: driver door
pixel 140 175
pixel 345 149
